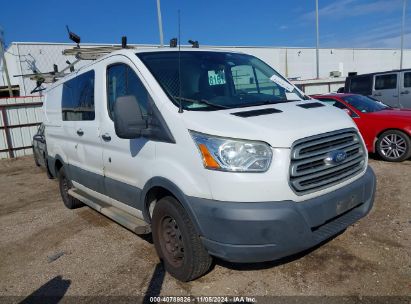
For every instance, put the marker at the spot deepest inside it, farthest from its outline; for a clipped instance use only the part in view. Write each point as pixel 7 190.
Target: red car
pixel 386 130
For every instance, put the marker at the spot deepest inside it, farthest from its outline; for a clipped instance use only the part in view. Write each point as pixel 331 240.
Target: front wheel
pixel 177 242
pixel 394 146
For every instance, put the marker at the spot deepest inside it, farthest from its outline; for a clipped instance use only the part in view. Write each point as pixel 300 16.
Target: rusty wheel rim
pixel 171 241
pixel 65 187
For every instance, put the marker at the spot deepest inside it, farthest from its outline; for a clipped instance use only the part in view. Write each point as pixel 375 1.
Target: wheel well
pixel 392 129
pixel 58 165
pixel 153 195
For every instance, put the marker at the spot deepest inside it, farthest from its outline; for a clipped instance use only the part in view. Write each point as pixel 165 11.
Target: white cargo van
pixel 213 152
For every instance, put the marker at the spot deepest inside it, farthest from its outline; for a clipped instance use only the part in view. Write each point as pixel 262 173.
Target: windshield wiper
pixel 201 101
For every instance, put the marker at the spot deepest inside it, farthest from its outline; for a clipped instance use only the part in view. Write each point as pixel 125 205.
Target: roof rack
pixel 48 77
pixel 79 53
pixel 92 53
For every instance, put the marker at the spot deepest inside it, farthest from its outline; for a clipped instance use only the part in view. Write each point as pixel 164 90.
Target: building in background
pixel 296 63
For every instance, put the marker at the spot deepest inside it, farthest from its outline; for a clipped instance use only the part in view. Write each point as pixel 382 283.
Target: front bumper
pixel 264 231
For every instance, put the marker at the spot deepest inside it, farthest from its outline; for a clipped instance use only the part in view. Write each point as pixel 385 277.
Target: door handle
pixel 106 137
pixel 405 92
pixel 80 132
pixel 377 94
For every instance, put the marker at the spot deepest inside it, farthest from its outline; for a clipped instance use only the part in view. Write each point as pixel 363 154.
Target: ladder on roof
pixel 93 53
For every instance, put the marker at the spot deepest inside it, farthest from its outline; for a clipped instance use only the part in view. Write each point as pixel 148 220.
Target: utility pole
pixel 318 39
pixel 160 23
pixel 6 71
pixel 402 33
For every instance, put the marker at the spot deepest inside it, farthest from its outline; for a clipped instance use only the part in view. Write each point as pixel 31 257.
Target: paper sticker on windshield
pixel 216 77
pixel 282 83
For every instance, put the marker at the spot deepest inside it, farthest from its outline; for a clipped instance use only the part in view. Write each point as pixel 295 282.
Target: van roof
pixel 183 49
pixel 131 52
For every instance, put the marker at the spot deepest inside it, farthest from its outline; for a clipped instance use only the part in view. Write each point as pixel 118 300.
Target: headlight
pixel 227 154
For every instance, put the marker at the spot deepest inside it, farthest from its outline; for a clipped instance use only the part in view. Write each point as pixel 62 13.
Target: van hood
pixel 279 129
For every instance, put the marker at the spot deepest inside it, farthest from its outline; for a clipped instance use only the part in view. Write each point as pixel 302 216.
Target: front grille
pixel 309 170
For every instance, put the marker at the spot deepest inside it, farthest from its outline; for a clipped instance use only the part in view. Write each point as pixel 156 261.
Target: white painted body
pixel 134 162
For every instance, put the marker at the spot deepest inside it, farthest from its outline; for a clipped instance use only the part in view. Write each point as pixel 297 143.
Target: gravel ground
pixel 48 249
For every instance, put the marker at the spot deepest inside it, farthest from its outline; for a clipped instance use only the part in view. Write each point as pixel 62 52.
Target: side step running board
pixel 125 219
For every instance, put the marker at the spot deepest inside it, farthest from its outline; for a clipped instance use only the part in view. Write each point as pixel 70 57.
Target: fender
pixel 51 161
pixel 162 182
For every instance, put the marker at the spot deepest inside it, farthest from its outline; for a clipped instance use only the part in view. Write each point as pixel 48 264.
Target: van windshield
pixel 217 80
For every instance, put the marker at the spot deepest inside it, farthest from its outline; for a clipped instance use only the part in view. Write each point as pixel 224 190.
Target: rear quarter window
pixel 77 102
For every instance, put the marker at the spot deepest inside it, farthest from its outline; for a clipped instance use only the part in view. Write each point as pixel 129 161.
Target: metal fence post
pixel 7 131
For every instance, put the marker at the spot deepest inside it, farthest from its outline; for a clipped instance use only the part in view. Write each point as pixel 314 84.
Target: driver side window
pixel 123 81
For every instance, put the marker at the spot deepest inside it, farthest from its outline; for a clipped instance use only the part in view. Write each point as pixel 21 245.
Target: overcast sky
pixel 343 23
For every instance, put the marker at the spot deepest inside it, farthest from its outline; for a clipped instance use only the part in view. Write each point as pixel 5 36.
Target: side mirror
pixel 128 118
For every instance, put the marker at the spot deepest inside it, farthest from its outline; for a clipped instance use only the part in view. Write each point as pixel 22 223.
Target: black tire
pixel 35 159
pixel 177 242
pixel 393 146
pixel 48 172
pixel 65 185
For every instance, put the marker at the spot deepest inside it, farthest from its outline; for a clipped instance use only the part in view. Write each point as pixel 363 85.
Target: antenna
pixel 124 42
pixel 73 37
pixel 70 66
pixel 180 108
pixel 173 42
pixel 194 44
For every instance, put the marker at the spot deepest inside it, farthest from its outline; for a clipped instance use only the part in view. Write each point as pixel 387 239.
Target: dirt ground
pixel 48 249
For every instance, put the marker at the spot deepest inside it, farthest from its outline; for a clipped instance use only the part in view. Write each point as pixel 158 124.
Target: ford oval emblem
pixel 335 157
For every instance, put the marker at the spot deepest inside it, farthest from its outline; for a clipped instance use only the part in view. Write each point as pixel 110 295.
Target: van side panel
pixel 54 131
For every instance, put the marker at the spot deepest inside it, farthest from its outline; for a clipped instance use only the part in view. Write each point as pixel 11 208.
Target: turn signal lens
pixel 209 161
